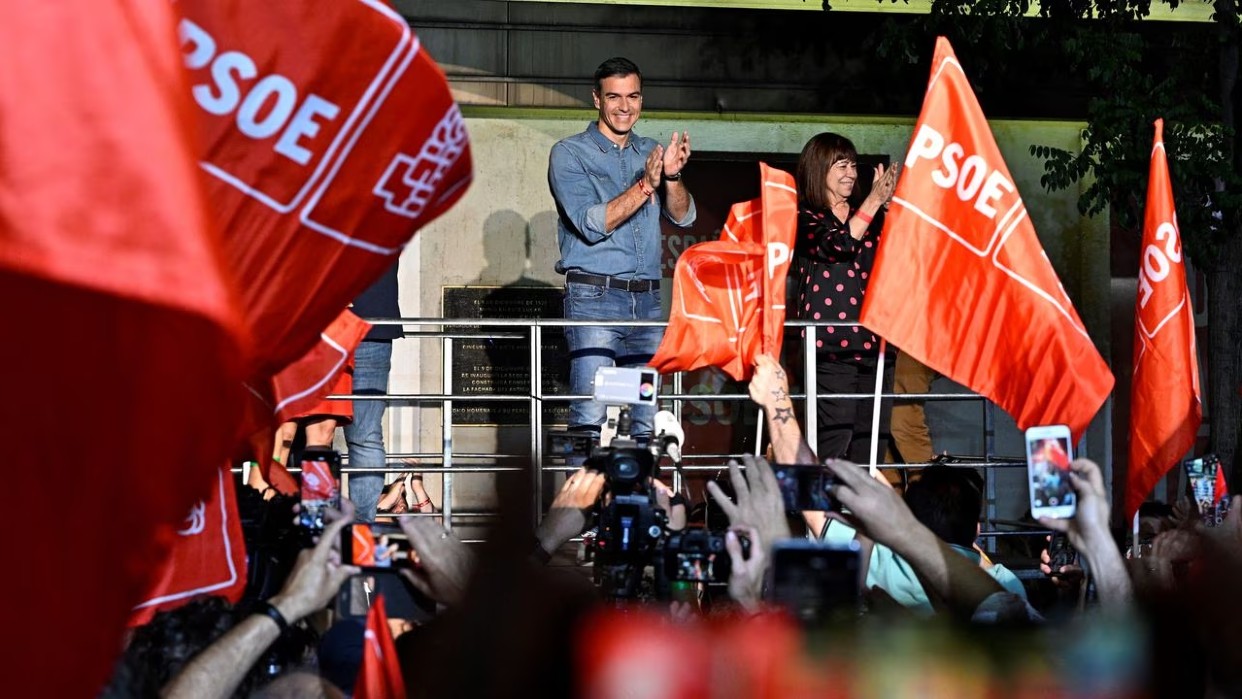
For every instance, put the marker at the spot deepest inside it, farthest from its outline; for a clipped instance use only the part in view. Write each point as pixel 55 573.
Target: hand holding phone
pixel 1048 458
pixel 806 487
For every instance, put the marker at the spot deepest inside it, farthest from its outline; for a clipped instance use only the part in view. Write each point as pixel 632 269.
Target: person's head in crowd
pixel 340 652
pixel 948 501
pixel 827 170
pixel 159 650
pixel 1154 517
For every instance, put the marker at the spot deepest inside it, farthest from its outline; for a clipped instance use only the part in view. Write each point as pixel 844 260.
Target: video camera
pixel 632 529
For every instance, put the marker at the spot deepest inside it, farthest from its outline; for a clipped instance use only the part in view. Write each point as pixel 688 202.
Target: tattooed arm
pixel 769 388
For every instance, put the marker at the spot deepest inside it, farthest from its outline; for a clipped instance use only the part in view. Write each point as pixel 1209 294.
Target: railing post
pixel 989 449
pixel 446 431
pixel 810 388
pixel 536 415
pixel 677 390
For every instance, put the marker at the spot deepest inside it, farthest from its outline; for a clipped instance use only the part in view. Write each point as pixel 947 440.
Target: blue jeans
pixel 365 435
pixel 592 347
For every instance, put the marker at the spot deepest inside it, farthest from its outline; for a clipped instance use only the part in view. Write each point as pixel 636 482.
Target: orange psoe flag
pixel 1165 408
pixel 961 281
pixel 729 294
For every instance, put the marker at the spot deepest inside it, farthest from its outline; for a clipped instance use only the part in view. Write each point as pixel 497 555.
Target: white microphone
pixel 669 434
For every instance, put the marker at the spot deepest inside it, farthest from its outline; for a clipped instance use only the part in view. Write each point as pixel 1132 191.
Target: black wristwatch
pixel 673 178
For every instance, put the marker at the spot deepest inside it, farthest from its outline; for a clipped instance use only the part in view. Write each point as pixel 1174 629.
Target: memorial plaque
pixel 501 366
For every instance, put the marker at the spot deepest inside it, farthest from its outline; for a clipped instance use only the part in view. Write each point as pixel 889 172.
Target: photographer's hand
pixel 759 502
pixel 746 575
pixel 442 563
pixel 567 516
pixel 676 509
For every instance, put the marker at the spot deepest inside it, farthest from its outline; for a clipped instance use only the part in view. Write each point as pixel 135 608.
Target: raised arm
pixel 677 201
pixel 1088 532
pixel 887 520
pixel 592 219
pixel 769 389
pixel 316 577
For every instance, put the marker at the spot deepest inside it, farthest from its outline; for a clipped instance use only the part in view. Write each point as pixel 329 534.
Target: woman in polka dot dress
pixel 835 250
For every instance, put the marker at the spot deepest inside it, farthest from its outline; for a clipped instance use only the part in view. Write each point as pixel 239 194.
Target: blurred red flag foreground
pixel 961 281
pixel 165 236
pixel 729 294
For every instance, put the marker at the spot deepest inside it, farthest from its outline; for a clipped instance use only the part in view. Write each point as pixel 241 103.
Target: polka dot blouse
pixel 831 270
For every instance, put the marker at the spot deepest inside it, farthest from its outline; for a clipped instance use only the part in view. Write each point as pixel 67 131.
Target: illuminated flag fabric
pixel 1165 410
pixel 729 294
pixel 961 281
pixel 328 136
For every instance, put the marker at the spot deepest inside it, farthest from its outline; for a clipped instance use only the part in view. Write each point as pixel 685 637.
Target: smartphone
pixel 806 487
pixel 1048 457
pixel 321 485
pixel 815 582
pixel 374 546
pixel 697 555
pixel 617 384
pixel 1201 476
pixel 401 599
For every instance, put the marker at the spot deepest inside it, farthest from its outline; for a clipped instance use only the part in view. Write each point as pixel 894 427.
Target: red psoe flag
pixel 961 281
pixel 328 137
pixel 729 294
pixel 125 342
pixel 1165 408
pixel 380 674
pixel 208 557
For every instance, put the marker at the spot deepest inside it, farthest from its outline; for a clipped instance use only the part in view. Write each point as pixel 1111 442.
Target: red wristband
pixel 864 216
pixel 644 187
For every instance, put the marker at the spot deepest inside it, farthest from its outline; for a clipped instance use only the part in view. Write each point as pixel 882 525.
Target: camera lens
pixel 626 468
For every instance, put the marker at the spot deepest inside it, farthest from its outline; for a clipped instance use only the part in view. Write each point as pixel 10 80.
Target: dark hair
pixel 818 155
pixel 616 67
pixel 948 501
pixel 160 650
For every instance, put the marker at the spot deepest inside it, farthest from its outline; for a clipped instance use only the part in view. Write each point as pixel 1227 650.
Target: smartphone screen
pixel 374 546
pixel 1048 457
pixel 806 487
pixel 696 555
pixel 816 582
pixel 320 488
pixel 1206 486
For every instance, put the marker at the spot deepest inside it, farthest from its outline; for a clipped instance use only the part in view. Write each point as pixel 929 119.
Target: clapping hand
pixel 676 153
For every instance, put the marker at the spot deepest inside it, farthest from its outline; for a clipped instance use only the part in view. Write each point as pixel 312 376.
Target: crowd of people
pixel 923 610
pixel 923 585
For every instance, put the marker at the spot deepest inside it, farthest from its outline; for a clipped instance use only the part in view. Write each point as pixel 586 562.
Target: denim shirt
pixel 585 172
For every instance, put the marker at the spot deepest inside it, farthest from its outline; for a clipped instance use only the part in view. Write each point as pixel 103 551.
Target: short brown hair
pixel 818 155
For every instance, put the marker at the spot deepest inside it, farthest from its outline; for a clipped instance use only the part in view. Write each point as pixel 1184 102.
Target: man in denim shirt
pixel 611 186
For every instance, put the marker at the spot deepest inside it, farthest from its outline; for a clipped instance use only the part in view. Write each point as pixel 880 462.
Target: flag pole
pixel 1136 551
pixel 875 410
pixel 759 433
